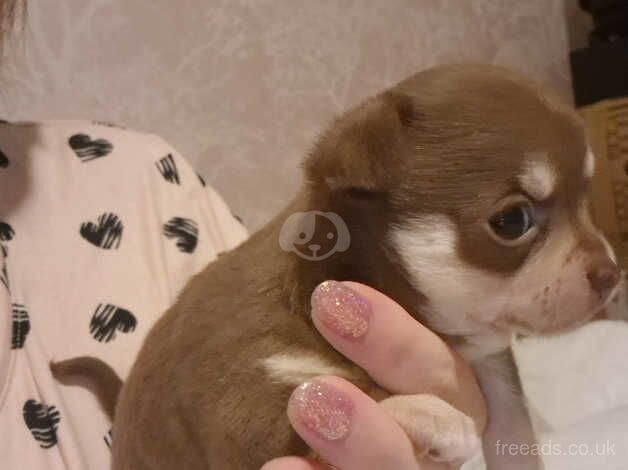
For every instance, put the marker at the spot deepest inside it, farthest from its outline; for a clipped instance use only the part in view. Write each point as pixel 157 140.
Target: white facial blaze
pixel 538 177
pixel 454 289
pixel 549 292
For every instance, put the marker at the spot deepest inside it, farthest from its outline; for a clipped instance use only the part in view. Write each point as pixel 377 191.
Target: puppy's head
pixel 480 183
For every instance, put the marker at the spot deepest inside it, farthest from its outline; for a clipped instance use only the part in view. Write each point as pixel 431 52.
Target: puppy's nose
pixel 314 247
pixel 603 276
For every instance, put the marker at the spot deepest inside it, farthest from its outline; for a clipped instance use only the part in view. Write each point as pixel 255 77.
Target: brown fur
pixel 447 141
pixel 93 373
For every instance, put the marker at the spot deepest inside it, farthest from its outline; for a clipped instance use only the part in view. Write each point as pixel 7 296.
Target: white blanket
pixel 577 389
pixel 578 386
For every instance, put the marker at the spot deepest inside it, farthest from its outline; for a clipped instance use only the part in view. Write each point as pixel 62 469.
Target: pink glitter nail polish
pixel 341 309
pixel 323 409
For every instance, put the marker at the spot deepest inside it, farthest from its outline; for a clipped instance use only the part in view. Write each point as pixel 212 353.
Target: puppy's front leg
pixel 436 429
pixel 509 440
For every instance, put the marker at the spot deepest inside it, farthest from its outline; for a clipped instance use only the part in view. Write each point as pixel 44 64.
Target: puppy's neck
pixel 368 259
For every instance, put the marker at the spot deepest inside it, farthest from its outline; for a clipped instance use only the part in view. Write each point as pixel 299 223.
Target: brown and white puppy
pixel 464 191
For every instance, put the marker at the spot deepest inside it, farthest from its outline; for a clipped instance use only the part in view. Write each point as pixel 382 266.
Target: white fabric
pixel 56 178
pixel 577 384
pixel 577 389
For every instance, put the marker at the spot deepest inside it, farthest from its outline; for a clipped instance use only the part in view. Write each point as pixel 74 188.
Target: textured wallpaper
pixel 242 87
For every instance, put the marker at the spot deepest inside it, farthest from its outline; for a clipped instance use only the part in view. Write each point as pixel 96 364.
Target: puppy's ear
pixel 365 148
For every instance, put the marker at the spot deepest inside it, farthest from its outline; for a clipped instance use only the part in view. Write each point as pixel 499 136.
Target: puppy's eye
pixel 513 222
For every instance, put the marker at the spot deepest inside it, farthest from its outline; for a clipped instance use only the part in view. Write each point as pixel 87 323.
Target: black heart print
pixel 106 233
pixel 21 325
pixel 6 232
pixel 4 275
pixel 168 169
pixel 185 231
pixel 87 149
pixel 42 421
pixel 4 161
pixel 108 319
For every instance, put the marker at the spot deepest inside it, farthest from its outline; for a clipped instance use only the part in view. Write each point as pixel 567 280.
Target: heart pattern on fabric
pixel 6 234
pixel 168 169
pixel 87 149
pixel 106 233
pixel 42 421
pixel 20 326
pixel 108 319
pixel 184 231
pixel 104 229
pixel 4 274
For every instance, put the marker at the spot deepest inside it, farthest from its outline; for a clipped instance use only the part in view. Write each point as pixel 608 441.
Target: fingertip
pixel 322 409
pixel 346 427
pixel 340 309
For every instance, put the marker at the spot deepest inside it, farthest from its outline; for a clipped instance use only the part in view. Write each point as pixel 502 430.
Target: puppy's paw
pixel 437 430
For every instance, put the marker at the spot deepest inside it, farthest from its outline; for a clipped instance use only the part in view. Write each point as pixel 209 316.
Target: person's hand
pixel 347 428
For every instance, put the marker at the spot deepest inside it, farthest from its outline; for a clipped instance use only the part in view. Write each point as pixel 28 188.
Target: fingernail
pixel 323 409
pixel 341 309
